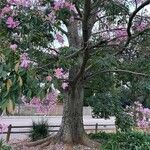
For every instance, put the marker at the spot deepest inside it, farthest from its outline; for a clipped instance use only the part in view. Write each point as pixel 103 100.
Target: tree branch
pixel 86 35
pixel 134 14
pixel 77 8
pixel 119 71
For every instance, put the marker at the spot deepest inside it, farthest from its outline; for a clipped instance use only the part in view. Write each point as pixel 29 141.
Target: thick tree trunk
pixel 72 129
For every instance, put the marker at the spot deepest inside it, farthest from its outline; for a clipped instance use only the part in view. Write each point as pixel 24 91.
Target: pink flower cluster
pixel 59 74
pixel 24 3
pixel 11 23
pixel 140 26
pixel 13 47
pixel 59 38
pixel 121 34
pixel 51 17
pixel 24 61
pixel 140 114
pixel 46 105
pixel 10 11
pixel 60 4
pixel 143 117
pixel 7 9
pixel 49 78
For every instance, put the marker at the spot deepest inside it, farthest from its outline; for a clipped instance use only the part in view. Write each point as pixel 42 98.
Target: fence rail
pixel 95 129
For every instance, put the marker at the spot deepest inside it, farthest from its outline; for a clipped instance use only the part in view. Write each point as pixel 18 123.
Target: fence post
pixel 8 133
pixel 96 127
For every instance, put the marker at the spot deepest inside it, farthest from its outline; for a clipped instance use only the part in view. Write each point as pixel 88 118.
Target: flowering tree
pixel 140 114
pixel 86 32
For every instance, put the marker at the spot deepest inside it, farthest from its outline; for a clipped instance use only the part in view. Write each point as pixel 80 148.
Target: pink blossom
pixel 51 100
pixel 64 85
pixel 25 62
pixel 35 101
pixel 121 34
pixel 11 23
pixel 5 10
pixel 58 4
pixel 24 3
pixel 62 4
pixel 59 38
pixel 58 73
pixel 146 111
pixel 66 76
pixel 51 17
pixel 49 78
pixel 70 6
pixel 142 123
pixel 14 47
pixel 140 26
pixel 44 105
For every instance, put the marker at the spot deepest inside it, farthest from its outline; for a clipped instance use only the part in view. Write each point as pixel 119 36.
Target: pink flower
pixel 13 47
pixel 5 10
pixel 45 105
pixel 11 23
pixel 35 101
pixel 64 85
pixel 59 38
pixel 66 76
pixel 25 62
pixel 142 123
pixel 140 26
pixel 58 73
pixel 51 17
pixel 24 3
pixel 70 6
pixel 146 111
pixel 49 78
pixel 58 4
pixel 62 4
pixel 121 34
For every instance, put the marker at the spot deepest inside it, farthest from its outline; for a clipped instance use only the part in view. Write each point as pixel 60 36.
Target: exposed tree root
pixel 41 142
pixel 90 143
pixel 54 143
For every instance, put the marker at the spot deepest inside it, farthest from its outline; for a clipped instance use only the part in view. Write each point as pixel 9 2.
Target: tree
pixel 95 30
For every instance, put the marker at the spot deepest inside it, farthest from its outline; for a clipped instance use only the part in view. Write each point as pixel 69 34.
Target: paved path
pixel 52 120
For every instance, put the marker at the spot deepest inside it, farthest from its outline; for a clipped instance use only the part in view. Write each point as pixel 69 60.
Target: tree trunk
pixel 72 129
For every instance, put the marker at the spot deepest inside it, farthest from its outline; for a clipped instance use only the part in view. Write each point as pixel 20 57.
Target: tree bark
pixel 72 129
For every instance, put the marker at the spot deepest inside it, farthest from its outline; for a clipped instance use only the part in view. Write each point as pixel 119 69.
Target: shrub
pixel 4 146
pixel 39 130
pixel 124 122
pixel 123 141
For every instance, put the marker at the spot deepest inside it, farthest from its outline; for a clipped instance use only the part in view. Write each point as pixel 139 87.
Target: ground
pixel 19 146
